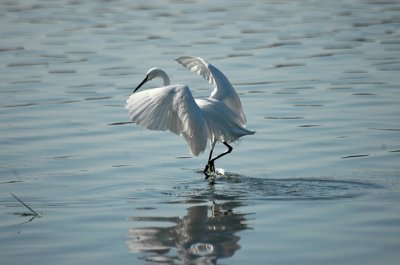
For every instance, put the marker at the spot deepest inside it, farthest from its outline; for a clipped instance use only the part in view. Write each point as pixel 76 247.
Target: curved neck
pixel 165 78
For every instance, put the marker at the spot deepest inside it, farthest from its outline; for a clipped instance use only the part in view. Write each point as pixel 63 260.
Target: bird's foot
pixel 209 172
pixel 210 177
pixel 210 168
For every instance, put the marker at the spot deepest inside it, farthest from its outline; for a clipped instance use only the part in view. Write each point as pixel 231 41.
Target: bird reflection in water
pixel 204 235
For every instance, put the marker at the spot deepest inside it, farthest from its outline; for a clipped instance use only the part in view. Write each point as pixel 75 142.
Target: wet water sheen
pixel 317 184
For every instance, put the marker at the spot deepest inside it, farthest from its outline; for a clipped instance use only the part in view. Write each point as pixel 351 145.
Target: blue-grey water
pixel 319 182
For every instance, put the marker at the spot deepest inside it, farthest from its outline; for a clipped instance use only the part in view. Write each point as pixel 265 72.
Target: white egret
pixel 173 108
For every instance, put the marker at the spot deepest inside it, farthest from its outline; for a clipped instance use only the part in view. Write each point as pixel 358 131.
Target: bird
pixel 218 118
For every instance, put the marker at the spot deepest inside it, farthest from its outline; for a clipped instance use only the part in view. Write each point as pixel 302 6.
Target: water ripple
pixel 231 186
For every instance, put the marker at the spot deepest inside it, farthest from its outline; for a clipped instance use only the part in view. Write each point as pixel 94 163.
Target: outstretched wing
pixel 223 91
pixel 171 108
pixel 199 66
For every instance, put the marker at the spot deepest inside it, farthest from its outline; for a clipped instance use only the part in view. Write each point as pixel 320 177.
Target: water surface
pixel 317 184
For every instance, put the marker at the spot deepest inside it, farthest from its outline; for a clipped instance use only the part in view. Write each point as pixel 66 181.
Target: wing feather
pixel 199 66
pixel 171 108
pixel 223 91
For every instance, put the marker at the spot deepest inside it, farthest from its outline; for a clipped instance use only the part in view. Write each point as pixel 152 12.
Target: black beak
pixel 141 84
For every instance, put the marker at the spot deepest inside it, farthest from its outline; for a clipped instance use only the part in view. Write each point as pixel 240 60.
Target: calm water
pixel 317 184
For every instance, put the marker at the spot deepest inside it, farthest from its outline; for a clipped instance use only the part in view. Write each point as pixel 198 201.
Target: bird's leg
pixel 210 165
pixel 209 168
pixel 211 162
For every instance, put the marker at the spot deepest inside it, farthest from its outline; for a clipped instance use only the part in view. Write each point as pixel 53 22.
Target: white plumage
pixel 173 108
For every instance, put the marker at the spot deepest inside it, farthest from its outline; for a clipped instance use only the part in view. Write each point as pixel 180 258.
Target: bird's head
pixel 151 74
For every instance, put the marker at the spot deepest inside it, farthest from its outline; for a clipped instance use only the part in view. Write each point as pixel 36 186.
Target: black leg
pixel 210 165
pixel 224 153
